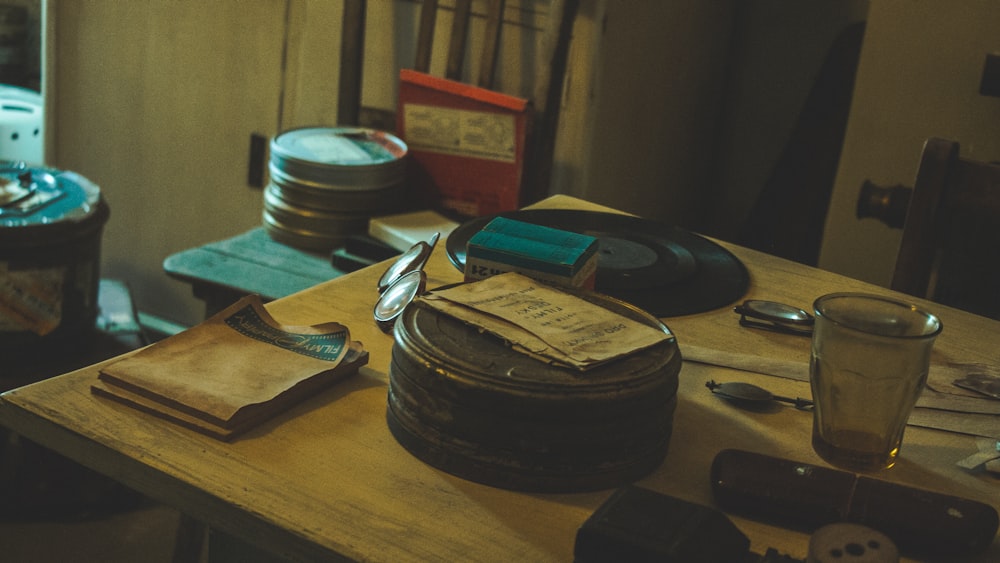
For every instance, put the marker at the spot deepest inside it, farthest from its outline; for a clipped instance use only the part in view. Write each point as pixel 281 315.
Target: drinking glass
pixel 869 363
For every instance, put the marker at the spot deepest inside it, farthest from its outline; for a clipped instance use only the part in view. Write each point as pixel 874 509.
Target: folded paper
pixel 232 371
pixel 545 322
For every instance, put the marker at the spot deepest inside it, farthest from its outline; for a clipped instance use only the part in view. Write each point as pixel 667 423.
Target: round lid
pixel 434 338
pixel 31 197
pixel 339 146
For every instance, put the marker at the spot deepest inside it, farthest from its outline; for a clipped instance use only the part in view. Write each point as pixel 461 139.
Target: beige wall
pixel 650 108
pixel 156 101
pixel 918 77
pixel 778 50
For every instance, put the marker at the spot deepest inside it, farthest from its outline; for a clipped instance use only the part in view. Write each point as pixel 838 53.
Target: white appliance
pixel 21 125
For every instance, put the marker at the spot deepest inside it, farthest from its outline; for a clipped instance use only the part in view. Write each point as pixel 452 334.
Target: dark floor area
pixel 144 533
pixel 53 510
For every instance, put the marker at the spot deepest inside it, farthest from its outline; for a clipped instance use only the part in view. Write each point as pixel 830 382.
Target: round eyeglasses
pixel 771 315
pixel 402 282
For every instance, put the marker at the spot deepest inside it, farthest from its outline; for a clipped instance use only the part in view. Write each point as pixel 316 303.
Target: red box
pixel 467 145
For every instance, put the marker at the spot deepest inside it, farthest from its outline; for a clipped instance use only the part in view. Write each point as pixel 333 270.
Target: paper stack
pixel 403 230
pixel 233 371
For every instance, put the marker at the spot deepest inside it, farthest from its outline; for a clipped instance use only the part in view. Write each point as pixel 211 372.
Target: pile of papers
pixel 545 322
pixel 233 371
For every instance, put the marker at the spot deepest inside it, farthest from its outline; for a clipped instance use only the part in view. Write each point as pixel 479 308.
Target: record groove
pixel 662 269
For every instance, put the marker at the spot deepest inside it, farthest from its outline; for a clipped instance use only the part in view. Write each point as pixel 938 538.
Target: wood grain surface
pixel 327 480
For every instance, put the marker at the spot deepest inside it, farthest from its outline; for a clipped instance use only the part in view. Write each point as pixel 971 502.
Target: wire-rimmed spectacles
pixel 402 282
pixel 771 315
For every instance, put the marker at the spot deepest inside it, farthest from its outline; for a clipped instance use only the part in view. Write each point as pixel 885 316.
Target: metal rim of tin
pixel 336 156
pixel 301 238
pixel 284 144
pixel 568 433
pixel 367 201
pixel 647 385
pixel 357 179
pixel 522 475
pixel 417 343
pixel 341 184
pixel 314 220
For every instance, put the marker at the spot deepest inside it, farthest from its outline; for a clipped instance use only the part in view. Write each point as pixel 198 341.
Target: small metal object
pixel 409 261
pixel 397 296
pixel 402 282
pixel 987 385
pixel 771 315
pixel 750 393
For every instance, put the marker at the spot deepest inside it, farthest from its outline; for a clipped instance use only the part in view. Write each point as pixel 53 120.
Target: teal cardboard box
pixel 543 253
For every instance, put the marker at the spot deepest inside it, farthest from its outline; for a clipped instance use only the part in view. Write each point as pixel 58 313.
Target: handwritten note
pixel 546 322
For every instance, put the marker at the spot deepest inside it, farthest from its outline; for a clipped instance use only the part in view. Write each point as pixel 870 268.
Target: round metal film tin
pixel 339 158
pixel 464 402
pixel 327 182
pixel 50 235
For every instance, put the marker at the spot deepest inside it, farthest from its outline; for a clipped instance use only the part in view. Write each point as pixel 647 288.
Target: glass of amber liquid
pixel 869 363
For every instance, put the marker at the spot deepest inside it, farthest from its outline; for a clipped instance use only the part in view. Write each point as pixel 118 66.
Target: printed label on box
pixel 568 259
pixel 480 269
pixel 461 132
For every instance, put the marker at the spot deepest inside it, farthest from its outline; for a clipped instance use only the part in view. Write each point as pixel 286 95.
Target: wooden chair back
pixel 950 250
pixel 549 71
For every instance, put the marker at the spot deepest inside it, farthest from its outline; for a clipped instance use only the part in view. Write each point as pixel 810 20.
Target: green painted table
pixel 222 272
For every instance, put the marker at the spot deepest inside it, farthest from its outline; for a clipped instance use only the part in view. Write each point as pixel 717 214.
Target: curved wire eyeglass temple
pixel 774 316
pixel 751 394
pixel 402 282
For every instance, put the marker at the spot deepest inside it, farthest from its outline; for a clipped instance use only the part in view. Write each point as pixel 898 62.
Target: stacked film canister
pixel 327 182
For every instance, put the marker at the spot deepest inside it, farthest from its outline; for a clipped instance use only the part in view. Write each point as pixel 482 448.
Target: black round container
pixel 50 238
pixel 464 402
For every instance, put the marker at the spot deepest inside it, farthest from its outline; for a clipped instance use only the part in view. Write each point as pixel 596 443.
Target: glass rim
pixel 930 318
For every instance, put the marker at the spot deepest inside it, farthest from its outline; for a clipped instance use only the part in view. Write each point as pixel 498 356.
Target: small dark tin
pixel 51 223
pixel 464 402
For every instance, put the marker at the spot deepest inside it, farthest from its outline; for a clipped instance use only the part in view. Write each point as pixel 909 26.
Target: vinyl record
pixel 662 269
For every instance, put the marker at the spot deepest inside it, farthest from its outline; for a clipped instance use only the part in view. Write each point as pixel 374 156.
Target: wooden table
pixel 327 480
